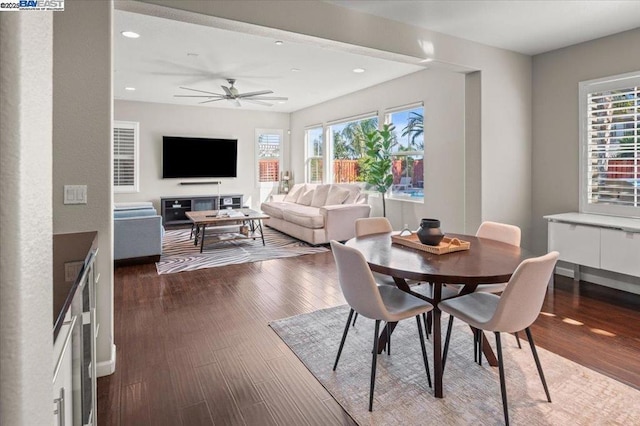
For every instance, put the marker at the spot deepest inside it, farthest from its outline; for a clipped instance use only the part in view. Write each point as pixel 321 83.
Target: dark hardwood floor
pixel 194 348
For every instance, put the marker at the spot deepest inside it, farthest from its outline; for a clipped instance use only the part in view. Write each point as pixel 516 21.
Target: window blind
pixel 613 146
pixel 125 141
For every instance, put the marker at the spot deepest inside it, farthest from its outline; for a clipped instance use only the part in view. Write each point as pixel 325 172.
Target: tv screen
pixel 184 157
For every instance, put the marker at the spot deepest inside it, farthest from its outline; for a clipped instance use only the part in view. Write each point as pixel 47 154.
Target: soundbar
pixel 209 182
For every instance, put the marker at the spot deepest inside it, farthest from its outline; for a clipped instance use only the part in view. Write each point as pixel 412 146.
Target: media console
pixel 174 209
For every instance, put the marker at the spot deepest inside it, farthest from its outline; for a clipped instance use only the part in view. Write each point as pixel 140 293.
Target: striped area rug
pixel 179 254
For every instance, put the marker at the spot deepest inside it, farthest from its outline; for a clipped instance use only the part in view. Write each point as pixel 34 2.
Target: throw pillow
pixel 320 195
pixel 306 197
pixel 294 193
pixel 336 195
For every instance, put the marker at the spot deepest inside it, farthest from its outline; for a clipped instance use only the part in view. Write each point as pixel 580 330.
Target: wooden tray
pixel 447 245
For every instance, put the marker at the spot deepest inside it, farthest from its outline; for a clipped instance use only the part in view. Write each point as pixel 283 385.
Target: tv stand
pixel 174 209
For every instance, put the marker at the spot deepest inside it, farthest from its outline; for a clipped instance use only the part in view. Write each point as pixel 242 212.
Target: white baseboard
pixel 106 368
pixel 601 280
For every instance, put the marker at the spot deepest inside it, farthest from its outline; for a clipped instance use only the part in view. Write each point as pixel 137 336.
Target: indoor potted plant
pixel 377 157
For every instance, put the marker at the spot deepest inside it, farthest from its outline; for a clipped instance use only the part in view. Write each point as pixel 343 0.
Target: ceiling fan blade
pixel 199 96
pixel 201 91
pixel 270 98
pixel 211 100
pixel 253 101
pixel 238 104
pixel 249 94
pixel 227 91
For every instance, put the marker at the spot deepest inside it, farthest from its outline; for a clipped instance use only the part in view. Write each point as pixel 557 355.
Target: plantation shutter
pixel 611 149
pixel 125 159
pixel 269 145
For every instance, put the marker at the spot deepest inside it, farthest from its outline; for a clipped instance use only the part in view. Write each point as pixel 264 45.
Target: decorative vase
pixel 429 232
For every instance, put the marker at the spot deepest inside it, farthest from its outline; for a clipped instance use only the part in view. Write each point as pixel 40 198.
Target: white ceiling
pixel 173 53
pixel 170 54
pixel 529 27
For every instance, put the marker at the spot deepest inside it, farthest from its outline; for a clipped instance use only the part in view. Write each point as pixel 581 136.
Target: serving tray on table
pixel 447 245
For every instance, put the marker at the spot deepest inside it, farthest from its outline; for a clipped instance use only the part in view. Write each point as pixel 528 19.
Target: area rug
pixel 179 254
pixel 471 392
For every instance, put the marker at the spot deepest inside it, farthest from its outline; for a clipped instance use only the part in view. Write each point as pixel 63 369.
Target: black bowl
pixel 430 239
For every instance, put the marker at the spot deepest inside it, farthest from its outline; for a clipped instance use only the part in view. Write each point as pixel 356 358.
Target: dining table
pixel 486 261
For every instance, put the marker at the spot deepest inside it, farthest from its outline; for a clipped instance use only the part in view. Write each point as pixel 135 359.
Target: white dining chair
pixel 369 226
pixel 505 233
pixel 516 309
pixel 377 302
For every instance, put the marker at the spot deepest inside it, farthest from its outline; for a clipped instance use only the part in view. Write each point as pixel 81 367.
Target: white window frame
pixel 135 126
pixel 259 132
pixel 387 120
pixel 308 157
pixel 585 88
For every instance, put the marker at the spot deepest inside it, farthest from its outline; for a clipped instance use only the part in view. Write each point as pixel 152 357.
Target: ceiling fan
pixel 232 94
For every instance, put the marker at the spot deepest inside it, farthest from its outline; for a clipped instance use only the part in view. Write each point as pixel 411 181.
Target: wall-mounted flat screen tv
pixel 185 157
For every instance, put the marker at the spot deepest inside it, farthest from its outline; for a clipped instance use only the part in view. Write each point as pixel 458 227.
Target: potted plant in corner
pixel 378 173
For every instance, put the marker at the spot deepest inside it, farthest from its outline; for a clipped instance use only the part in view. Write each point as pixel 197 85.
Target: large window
pixel 610 137
pixel 269 147
pixel 314 153
pixel 125 156
pixel 348 147
pixel 408 158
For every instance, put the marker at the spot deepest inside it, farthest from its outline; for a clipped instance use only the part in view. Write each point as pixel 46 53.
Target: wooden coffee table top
pixel 211 217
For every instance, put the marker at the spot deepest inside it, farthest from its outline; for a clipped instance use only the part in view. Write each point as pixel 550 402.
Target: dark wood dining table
pixel 486 262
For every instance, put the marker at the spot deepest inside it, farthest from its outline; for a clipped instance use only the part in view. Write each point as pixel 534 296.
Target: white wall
pixel 555 117
pixel 505 87
pixel 26 277
pixel 157 120
pixel 82 115
pixel 443 95
pixel 556 142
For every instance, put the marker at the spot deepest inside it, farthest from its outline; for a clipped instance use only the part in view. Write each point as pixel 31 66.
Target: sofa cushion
pixel 337 195
pixel 308 217
pixel 354 191
pixel 275 208
pixel 294 193
pixel 306 196
pixel 320 195
pixel 133 205
pixel 137 212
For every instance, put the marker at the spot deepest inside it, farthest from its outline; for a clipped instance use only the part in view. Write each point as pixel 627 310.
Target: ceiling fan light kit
pixel 231 93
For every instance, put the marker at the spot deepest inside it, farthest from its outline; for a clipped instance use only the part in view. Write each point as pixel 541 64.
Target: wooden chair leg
pixel 354 319
pixel 426 328
pixel 344 337
pixel 374 364
pixel 518 340
pixel 503 387
pixel 446 342
pixel 538 365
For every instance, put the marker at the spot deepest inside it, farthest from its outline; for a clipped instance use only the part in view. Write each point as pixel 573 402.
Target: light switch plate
pixel 75 194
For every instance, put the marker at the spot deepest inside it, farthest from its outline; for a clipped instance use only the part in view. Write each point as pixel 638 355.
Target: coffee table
pixel 226 225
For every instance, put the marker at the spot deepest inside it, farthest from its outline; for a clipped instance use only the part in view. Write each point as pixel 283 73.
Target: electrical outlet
pixel 75 194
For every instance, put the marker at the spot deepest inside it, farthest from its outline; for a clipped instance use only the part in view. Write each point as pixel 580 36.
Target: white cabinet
pixel 576 243
pixel 603 242
pixel 621 251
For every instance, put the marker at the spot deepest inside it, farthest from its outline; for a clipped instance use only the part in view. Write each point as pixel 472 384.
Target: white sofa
pixel 317 213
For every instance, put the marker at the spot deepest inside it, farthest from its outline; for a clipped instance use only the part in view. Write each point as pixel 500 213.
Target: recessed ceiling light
pixel 279 42
pixel 195 55
pixel 131 89
pixel 130 34
pixel 295 69
pixel 282 102
pixel 358 70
